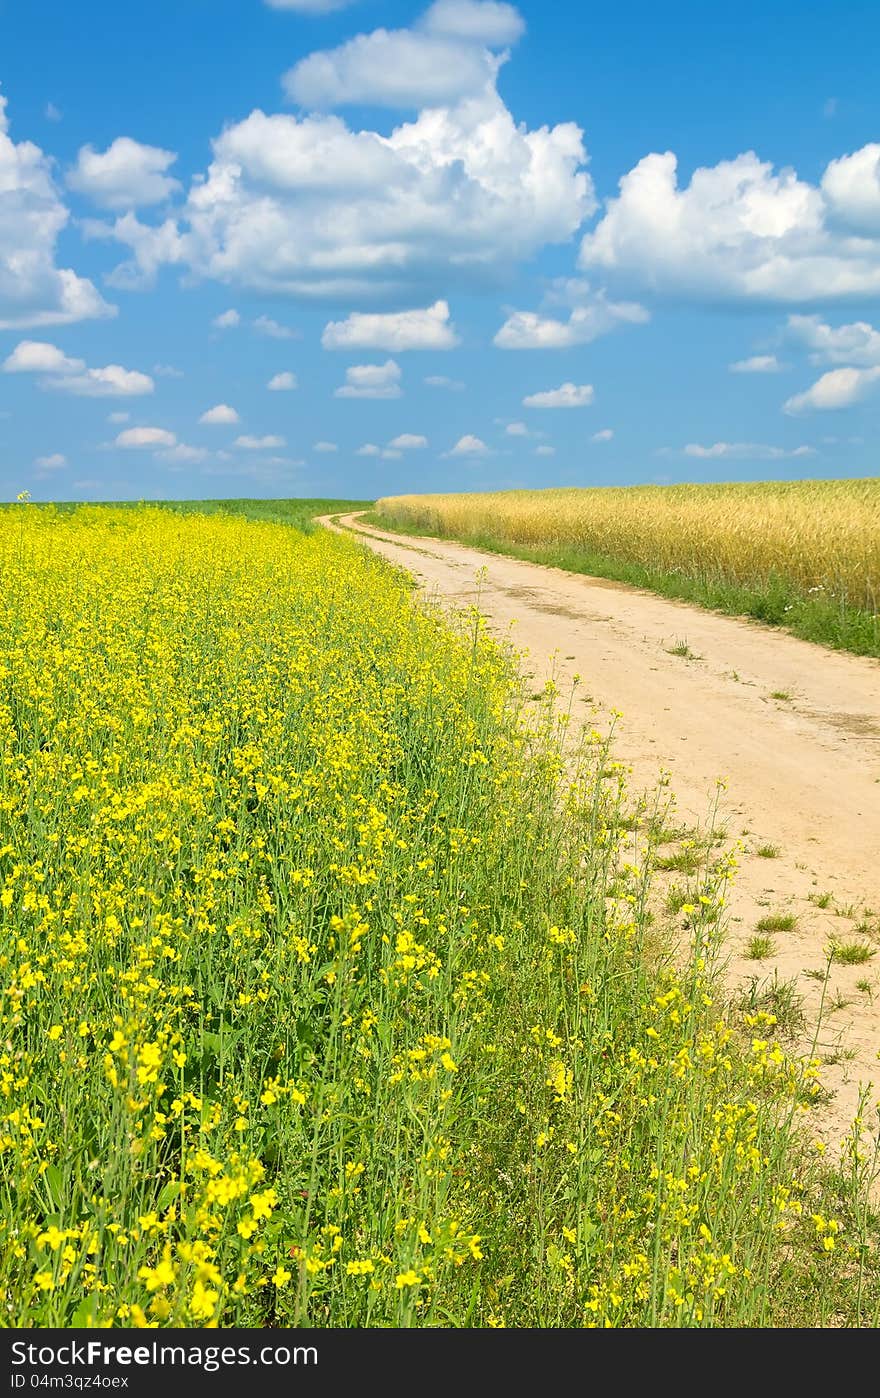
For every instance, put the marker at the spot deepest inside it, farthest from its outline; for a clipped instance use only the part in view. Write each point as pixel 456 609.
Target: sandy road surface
pixel 802 773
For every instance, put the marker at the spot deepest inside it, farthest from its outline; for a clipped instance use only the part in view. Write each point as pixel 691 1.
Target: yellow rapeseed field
pixel 324 997
pixel 814 535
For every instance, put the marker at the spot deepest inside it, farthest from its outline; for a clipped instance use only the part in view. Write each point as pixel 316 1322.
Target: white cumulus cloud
pixel 282 383
pixel 265 325
pixel 857 343
pixel 37 357
pixel 137 437
pixel 306 206
pixel 757 364
pixel 750 451
pixel 397 331
pixel 852 187
pixel 441 381
pixel 517 429
pixel 435 63
pixel 110 382
pixel 54 462
pixel 33 290
pixel 469 446
pixel 152 247
pixel 266 443
pixel 127 174
pixel 227 320
pixel 568 395
pixel 369 449
pixel 408 441
pixel 605 435
pixel 371 381
pixel 839 388
pixel 742 231
pixel 325 446
pixel 482 21
pixel 72 376
pixel 182 455
pixel 529 330
pixel 219 416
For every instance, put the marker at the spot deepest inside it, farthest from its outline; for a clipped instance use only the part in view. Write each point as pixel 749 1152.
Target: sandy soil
pixel 802 772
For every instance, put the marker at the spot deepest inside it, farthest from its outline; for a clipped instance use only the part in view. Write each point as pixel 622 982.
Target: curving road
pixel 802 771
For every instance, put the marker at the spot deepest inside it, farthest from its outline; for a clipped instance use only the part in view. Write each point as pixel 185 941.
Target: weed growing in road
pixel 777 922
pixel 759 947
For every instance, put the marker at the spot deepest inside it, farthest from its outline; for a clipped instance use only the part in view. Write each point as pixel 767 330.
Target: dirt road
pixel 792 728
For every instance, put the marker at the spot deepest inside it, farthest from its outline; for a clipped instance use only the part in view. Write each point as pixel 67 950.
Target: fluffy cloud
pixel 369 449
pixel 749 451
pixel 568 395
pixel 397 331
pixel 408 441
pixel 545 450
pixel 441 381
pixel 604 436
pixel 152 247
pixel 110 382
pixel 259 443
pixel 517 429
pixel 371 381
pixel 758 364
pixel 851 186
pixel 444 58
pixel 139 437
pixel 282 383
pixel 528 330
pixel 33 290
pixel 126 175
pixel 741 231
pixel 265 325
pixel 858 343
pixel 325 447
pixel 469 446
pixel 51 463
pixel 72 375
pixel 219 416
pixel 303 205
pixel 482 21
pixel 182 455
pixel 37 357
pixel 839 388
pixel 228 320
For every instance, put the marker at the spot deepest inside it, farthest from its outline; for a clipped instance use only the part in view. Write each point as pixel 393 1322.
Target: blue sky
pixel 469 245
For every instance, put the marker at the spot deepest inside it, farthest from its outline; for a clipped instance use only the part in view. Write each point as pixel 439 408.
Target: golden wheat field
pixel 329 994
pixel 814 535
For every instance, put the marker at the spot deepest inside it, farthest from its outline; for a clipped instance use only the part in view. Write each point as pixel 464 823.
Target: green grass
pixel 300 514
pixel 821 900
pixel 776 603
pixel 777 922
pixel 768 851
pixel 852 953
pixel 760 947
